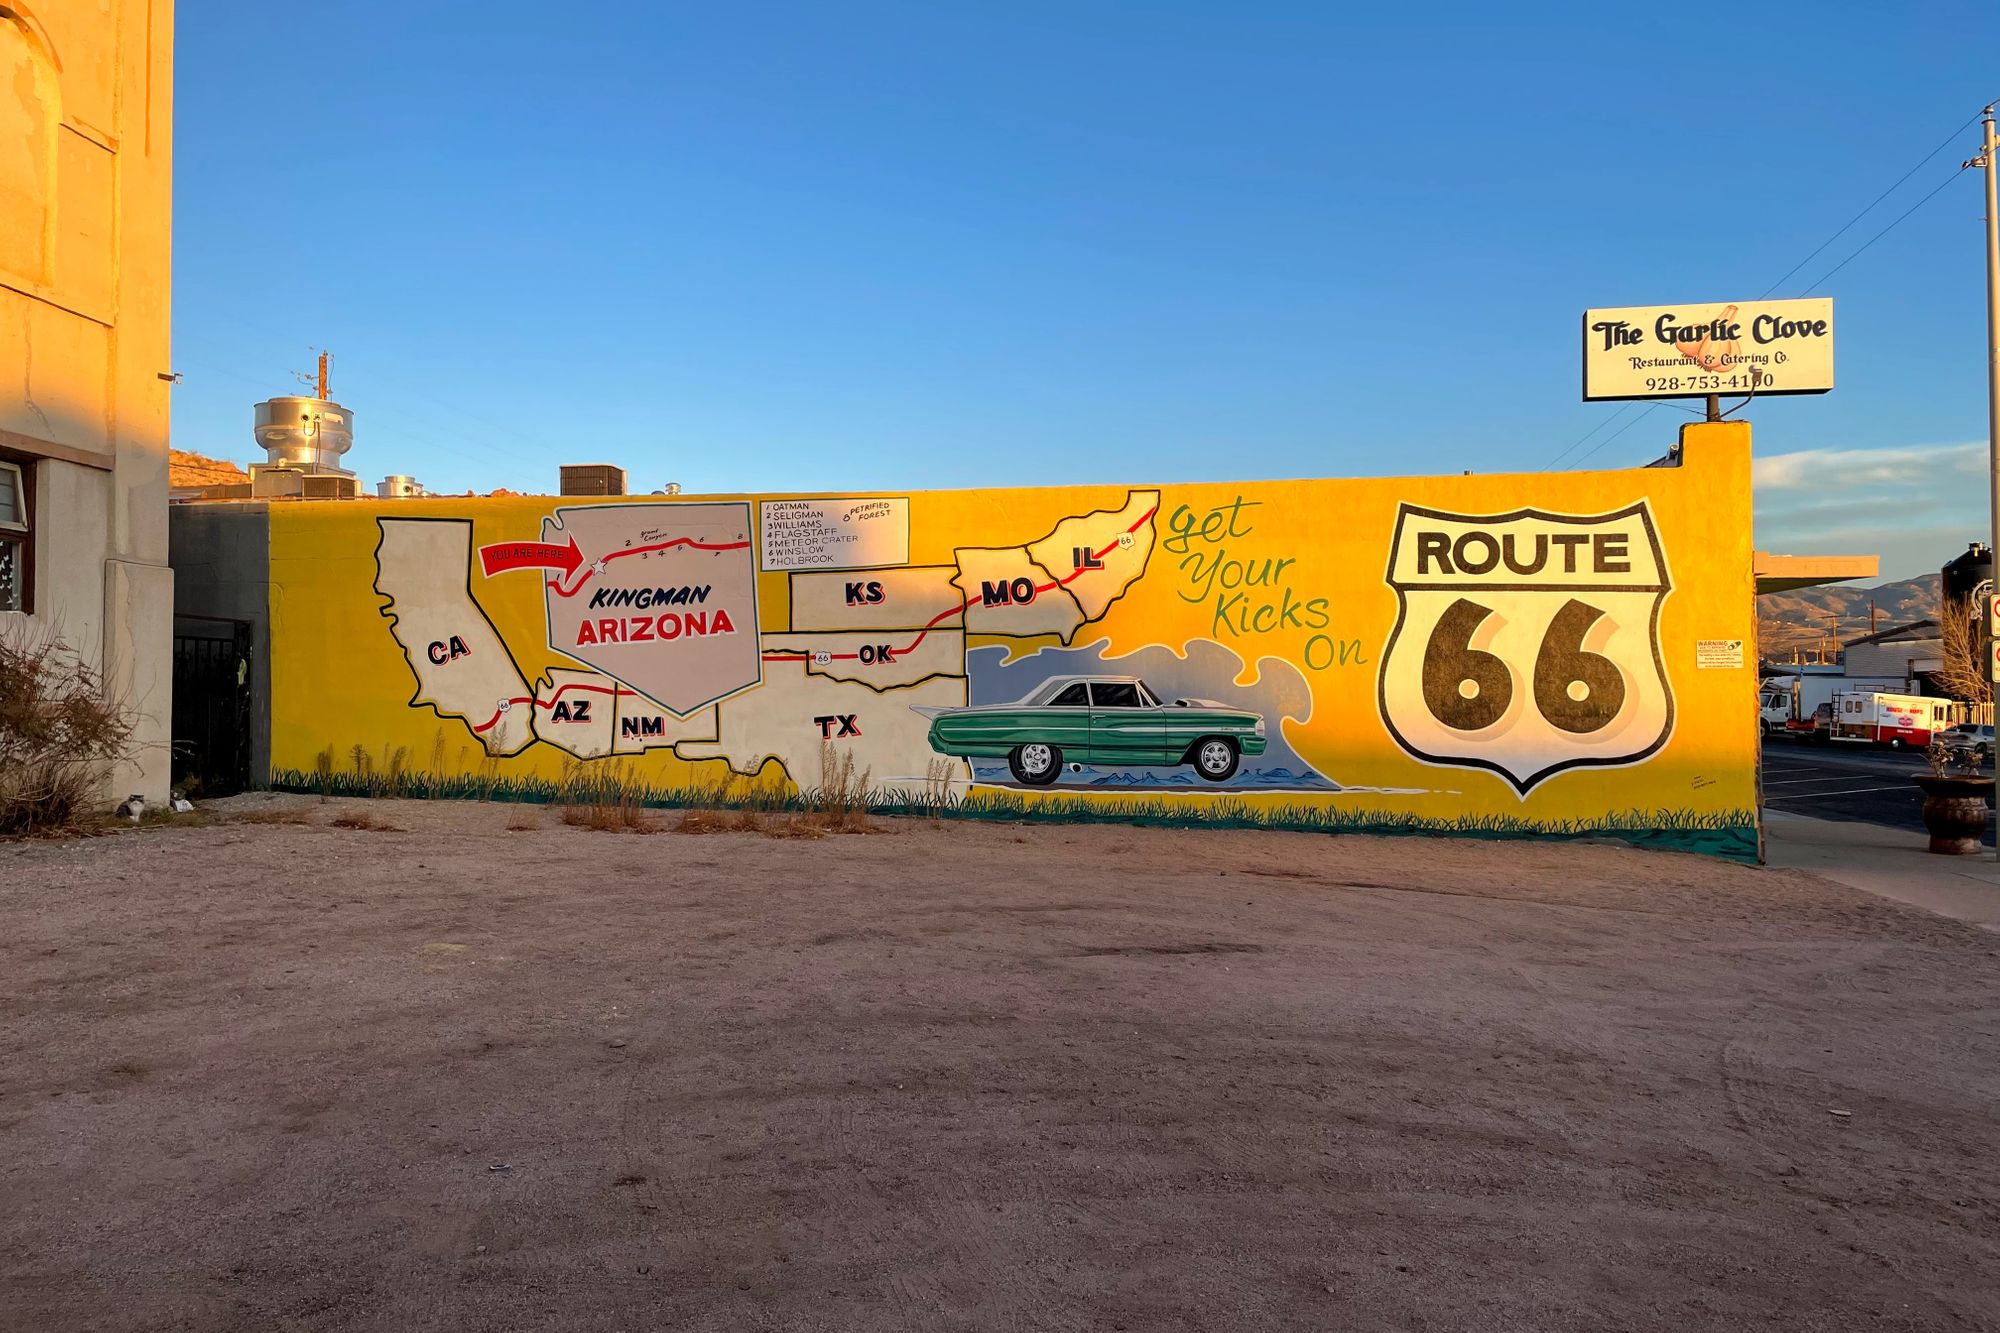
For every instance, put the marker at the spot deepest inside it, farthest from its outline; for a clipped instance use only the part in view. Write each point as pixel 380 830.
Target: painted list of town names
pixel 840 533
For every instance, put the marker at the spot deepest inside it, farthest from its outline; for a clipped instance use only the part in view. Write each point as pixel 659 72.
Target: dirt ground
pixel 462 1076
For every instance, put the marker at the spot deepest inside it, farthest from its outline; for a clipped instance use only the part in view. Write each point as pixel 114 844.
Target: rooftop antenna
pixel 318 384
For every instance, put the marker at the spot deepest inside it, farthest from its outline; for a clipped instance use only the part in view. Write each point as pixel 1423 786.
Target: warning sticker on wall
pixel 1718 654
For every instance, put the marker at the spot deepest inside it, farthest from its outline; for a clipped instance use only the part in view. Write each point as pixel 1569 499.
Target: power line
pixel 1866 211
pixel 1884 232
pixel 1587 434
pixel 1650 408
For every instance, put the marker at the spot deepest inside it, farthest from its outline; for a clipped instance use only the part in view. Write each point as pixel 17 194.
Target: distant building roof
pixel 1915 632
pixel 188 470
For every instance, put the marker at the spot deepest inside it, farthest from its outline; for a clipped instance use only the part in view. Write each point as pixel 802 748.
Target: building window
pixel 16 539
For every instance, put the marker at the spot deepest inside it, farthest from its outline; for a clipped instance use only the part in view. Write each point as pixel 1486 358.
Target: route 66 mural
pixel 1527 643
pixel 1461 654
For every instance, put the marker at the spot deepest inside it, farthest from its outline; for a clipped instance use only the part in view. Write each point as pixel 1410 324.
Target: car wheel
pixel 1895 742
pixel 1215 758
pixel 1982 754
pixel 1035 764
pixel 1764 727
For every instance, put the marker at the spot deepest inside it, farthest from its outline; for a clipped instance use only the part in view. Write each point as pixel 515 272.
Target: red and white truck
pixel 1894 720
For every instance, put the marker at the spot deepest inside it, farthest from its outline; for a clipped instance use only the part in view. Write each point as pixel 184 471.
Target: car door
pixel 1063 721
pixel 1123 729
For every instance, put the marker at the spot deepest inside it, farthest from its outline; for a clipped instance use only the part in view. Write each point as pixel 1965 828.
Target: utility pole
pixel 1989 157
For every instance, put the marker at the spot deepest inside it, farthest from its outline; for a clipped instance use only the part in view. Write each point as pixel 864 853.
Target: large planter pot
pixel 1955 812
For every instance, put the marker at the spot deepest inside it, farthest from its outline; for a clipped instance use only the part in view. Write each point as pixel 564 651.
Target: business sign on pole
pixel 1690 351
pixel 1993 635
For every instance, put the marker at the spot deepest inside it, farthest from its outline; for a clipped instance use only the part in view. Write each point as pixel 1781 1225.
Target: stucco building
pixel 86 173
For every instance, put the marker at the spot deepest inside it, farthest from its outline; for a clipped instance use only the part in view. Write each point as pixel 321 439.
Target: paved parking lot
pixel 1841 781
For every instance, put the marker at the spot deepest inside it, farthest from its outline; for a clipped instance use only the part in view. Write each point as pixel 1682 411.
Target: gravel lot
pixel 457 1075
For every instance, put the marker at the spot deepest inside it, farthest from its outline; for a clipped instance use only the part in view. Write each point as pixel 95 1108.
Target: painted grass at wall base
pixel 1490 656
pixel 1731 834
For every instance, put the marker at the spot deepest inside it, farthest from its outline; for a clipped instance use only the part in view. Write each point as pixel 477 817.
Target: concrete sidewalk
pixel 1891 862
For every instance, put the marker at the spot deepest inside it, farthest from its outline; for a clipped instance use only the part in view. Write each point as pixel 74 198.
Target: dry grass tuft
pixel 840 803
pixel 58 732
pixel 323 772
pixel 721 821
pixel 604 798
pixel 611 819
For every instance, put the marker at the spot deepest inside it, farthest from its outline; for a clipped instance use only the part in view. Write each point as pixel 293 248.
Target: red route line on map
pixel 589 571
pixel 795 655
pixel 550 702
pixel 786 655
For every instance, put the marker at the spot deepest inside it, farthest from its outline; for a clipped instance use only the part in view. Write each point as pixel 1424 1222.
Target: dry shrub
pixel 58 734
pixel 522 824
pixel 605 798
pixel 700 821
pixel 361 819
pixel 271 817
pixel 610 819
pixel 721 821
pixel 840 803
pixel 1961 644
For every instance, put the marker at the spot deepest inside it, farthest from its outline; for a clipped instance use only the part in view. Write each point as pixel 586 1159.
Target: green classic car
pixel 1113 721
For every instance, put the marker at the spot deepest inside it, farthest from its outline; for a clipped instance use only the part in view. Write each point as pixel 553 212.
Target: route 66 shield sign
pixel 1528 642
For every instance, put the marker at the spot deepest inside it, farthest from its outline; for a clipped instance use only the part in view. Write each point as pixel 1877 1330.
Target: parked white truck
pixel 1894 720
pixel 1787 704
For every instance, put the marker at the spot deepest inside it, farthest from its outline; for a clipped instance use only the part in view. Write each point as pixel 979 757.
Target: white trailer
pixel 1786 704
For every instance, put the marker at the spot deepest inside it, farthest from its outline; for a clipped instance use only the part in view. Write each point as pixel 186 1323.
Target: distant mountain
pixel 1788 621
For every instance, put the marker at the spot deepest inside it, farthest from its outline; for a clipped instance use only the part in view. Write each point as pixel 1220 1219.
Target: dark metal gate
pixel 212 708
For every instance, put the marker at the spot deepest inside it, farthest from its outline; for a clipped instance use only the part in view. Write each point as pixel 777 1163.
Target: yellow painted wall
pixel 1330 677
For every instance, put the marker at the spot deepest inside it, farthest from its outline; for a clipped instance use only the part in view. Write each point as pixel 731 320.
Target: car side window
pixel 1114 694
pixel 1073 697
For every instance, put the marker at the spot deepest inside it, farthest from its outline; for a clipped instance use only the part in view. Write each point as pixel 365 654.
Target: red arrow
pixel 503 556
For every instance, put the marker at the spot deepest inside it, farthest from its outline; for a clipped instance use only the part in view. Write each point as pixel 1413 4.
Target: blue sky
pixel 889 245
